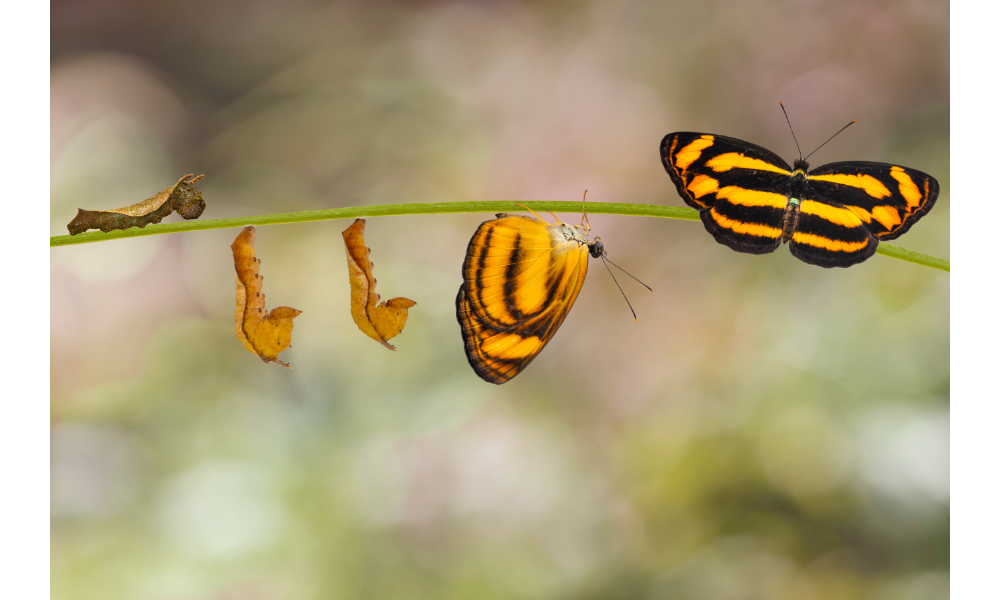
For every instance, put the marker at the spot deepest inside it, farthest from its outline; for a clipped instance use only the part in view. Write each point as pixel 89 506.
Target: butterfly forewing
pixel 700 164
pixel 509 262
pixel 887 198
pixel 521 277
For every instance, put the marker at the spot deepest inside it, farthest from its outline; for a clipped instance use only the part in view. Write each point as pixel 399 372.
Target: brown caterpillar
pixel 182 197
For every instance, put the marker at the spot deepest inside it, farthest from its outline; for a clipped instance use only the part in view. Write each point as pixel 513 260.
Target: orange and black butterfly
pixel 752 201
pixel 521 277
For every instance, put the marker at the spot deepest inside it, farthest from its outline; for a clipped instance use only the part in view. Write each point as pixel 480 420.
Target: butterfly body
pixel 521 277
pixel 833 216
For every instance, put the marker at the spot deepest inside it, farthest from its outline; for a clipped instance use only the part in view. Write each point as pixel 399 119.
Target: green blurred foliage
pixel 768 430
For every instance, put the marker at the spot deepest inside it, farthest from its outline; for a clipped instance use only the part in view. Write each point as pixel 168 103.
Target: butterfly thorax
pixel 565 233
pixel 575 233
pixel 798 185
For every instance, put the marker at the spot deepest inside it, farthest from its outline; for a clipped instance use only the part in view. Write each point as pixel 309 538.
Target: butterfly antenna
pixel 790 129
pixel 831 137
pixel 620 288
pixel 626 272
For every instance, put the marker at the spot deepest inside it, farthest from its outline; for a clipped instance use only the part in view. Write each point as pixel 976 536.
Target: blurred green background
pixel 768 430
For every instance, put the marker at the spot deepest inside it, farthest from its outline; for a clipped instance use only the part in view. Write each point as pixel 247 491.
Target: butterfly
pixel 521 277
pixel 752 201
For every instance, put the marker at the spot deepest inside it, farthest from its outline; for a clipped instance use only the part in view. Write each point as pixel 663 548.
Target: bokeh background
pixel 767 430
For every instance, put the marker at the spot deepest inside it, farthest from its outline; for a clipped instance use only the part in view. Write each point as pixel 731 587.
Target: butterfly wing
pixel 887 198
pixel 521 277
pixel 739 188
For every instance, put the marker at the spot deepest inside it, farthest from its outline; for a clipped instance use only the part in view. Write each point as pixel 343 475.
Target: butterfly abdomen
pixel 790 222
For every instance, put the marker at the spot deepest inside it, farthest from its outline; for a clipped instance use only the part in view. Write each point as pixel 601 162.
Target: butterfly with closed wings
pixel 521 277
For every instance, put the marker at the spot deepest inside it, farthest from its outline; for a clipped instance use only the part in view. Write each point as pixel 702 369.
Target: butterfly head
pixel 596 248
pixel 800 167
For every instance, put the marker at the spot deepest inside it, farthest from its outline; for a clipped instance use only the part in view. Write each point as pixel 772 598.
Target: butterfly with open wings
pixel 832 216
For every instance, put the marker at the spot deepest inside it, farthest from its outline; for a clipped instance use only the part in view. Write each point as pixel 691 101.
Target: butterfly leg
pixel 536 214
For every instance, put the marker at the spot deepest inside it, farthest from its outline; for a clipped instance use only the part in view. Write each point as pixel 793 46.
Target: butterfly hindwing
pixel 521 277
pixel 829 234
pixel 833 216
pixel 745 220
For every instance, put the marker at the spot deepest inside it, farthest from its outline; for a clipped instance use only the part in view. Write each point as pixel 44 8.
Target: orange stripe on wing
pixel 833 214
pixel 872 186
pixel 745 197
pixel 701 185
pixel 907 188
pixel 746 228
pixel 827 243
pixel 888 216
pixel 692 152
pixel 735 160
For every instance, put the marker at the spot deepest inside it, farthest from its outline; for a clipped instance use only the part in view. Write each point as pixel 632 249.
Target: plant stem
pixel 427 208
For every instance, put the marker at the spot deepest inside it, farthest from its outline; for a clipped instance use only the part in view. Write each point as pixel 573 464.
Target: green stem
pixel 427 208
